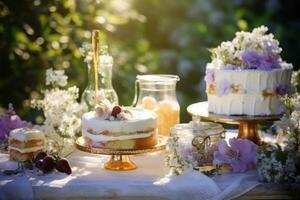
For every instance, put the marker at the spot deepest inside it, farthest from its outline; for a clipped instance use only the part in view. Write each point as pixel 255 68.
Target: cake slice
pixel 25 143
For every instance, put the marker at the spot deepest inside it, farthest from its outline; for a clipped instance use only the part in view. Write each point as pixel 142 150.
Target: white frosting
pixel 244 104
pixel 141 120
pixel 27 150
pixel 249 100
pixel 105 138
pixel 254 81
pixel 24 134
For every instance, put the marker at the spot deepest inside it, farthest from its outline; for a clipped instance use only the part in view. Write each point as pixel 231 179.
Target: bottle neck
pixel 104 77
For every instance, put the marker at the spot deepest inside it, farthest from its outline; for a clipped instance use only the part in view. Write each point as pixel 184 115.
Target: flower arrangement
pixel 248 50
pixel 278 162
pixel 61 110
pixel 276 165
pixel 176 160
pixel 239 156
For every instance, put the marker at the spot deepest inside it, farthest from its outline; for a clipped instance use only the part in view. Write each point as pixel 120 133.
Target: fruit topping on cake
pixel 110 112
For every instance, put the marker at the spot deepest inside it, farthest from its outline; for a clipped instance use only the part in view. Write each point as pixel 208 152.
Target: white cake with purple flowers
pixel 247 75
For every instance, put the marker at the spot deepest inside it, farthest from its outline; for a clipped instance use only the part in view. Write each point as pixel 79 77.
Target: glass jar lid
pixel 199 128
pixel 158 78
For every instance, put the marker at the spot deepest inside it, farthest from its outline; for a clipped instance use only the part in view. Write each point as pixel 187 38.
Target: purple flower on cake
pixel 10 121
pixel 281 90
pixel 240 155
pixel 230 67
pixel 209 76
pixel 223 88
pixel 261 61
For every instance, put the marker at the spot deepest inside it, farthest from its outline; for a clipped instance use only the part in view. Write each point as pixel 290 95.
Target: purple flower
pixel 230 67
pixel 224 88
pixel 261 61
pixel 209 75
pixel 281 89
pixel 240 155
pixel 10 121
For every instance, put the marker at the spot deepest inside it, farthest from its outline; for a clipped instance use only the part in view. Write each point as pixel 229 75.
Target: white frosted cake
pixel 247 76
pixel 119 128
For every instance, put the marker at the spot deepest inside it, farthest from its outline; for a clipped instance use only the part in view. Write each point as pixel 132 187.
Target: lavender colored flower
pixel 281 90
pixel 240 155
pixel 224 88
pixel 230 67
pixel 9 121
pixel 261 61
pixel 209 75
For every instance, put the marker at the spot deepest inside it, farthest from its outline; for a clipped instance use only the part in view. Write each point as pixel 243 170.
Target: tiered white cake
pixel 114 127
pixel 247 76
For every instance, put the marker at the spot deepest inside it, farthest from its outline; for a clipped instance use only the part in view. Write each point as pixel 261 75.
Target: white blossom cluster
pixel 56 78
pixel 86 51
pixel 275 165
pixel 105 59
pixel 230 53
pixel 60 107
pixel 177 163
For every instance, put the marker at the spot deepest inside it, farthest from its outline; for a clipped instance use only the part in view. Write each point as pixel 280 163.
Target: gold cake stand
pixel 120 159
pixel 247 124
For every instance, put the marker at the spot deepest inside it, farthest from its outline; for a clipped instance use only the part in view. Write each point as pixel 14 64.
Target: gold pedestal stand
pixel 120 159
pixel 247 124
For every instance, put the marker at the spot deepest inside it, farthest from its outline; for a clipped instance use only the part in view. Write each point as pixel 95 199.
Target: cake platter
pixel 247 124
pixel 120 159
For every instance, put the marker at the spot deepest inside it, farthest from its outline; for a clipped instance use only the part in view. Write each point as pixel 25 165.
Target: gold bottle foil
pixel 96 45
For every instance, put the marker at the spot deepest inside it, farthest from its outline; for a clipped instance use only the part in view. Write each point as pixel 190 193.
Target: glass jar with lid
pixel 203 137
pixel 158 93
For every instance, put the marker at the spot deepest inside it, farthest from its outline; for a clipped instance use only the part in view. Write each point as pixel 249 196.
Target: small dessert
pixel 25 143
pixel 116 127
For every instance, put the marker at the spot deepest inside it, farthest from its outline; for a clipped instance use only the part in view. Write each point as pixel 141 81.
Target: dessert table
pixel 149 181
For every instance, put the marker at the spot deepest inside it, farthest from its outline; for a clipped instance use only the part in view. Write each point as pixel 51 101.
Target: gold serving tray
pixel 120 158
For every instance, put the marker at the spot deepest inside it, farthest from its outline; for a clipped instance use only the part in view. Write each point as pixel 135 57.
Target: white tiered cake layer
pixel 254 81
pixel 244 104
pixel 141 120
pixel 247 92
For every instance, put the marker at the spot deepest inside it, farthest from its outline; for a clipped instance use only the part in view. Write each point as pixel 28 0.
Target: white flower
pixel 177 163
pixel 61 110
pixel 56 77
pixel 258 40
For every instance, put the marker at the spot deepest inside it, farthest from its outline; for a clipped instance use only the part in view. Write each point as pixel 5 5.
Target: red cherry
pixel 116 110
pixel 39 156
pixel 39 163
pixel 63 165
pixel 48 164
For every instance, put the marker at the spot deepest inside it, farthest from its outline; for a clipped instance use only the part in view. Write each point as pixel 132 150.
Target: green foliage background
pixel 144 36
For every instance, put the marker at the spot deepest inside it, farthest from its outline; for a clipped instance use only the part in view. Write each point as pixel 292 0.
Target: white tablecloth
pixel 90 181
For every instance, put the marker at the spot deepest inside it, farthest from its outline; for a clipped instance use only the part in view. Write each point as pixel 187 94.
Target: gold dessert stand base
pixel 247 124
pixel 120 159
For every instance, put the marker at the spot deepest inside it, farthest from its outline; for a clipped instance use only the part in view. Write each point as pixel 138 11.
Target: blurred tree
pixel 145 36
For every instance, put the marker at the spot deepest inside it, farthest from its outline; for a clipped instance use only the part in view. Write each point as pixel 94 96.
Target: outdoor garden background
pixel 144 36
